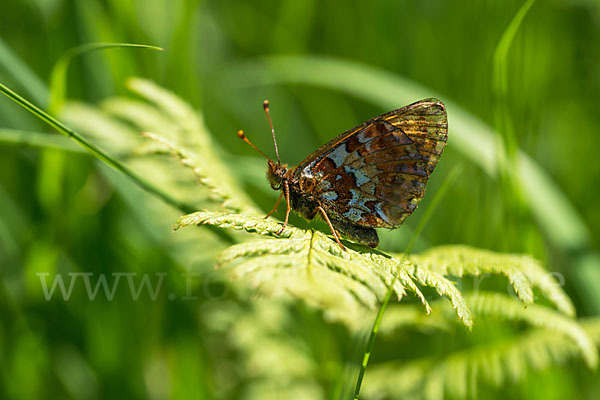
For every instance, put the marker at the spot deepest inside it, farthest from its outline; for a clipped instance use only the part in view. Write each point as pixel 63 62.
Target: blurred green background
pixel 326 67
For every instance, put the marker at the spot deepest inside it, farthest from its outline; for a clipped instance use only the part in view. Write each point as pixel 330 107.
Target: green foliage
pixel 310 266
pixel 476 140
pixel 249 332
pixel 547 339
pixel 58 79
pixel 523 272
pixel 287 316
pixel 175 128
pixel 346 286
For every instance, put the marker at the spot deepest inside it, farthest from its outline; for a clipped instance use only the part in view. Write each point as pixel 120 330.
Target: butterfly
pixel 371 176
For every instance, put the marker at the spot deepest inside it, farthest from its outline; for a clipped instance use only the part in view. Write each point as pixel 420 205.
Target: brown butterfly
pixel 372 176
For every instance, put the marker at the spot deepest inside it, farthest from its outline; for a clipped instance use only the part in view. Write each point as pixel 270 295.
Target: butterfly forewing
pixel 374 175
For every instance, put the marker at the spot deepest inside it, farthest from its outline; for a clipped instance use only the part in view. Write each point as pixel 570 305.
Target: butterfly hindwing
pixel 374 175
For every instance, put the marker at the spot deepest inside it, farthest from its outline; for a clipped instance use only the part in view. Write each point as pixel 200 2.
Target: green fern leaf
pixel 348 285
pixel 249 224
pixel 523 272
pixel 189 161
pixel 503 306
pixel 551 338
pixel 310 266
pixel 180 130
pixel 177 128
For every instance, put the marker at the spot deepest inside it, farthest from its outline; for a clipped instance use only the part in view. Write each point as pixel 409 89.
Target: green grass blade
pixel 500 80
pixel 58 78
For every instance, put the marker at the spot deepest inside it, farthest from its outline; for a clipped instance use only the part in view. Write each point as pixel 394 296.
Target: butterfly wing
pixel 374 175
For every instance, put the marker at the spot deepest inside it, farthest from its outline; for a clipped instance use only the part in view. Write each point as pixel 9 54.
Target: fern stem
pixel 388 295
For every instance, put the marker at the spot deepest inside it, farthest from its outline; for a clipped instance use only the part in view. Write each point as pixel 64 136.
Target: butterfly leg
pixel 275 206
pixel 335 234
pixel 286 191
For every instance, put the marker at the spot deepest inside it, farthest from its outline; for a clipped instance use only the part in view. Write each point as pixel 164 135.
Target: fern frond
pixel 189 161
pixel 446 288
pixel 499 305
pixel 408 273
pixel 172 106
pixel 487 306
pixel 257 248
pixel 264 335
pixel 496 363
pixel 110 133
pixel 296 268
pixel 592 328
pixel 193 134
pixel 247 223
pixel 523 272
pixel 552 339
pixel 169 117
pixel 310 266
pixel 398 318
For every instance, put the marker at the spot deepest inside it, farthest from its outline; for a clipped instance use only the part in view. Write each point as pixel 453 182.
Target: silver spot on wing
pixel 331 195
pixel 359 199
pixel 354 214
pixel 363 138
pixel 307 171
pixel 359 176
pixel 324 184
pixel 338 155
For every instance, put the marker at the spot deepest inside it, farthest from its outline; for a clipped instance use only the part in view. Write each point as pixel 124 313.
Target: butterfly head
pixel 276 173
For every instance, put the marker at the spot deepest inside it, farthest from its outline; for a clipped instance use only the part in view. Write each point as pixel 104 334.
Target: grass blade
pixel 500 81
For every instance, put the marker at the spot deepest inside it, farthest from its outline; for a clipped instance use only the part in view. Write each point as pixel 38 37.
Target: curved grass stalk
pixel 58 78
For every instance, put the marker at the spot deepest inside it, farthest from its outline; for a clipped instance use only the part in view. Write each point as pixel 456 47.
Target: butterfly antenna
pixel 242 136
pixel 266 107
